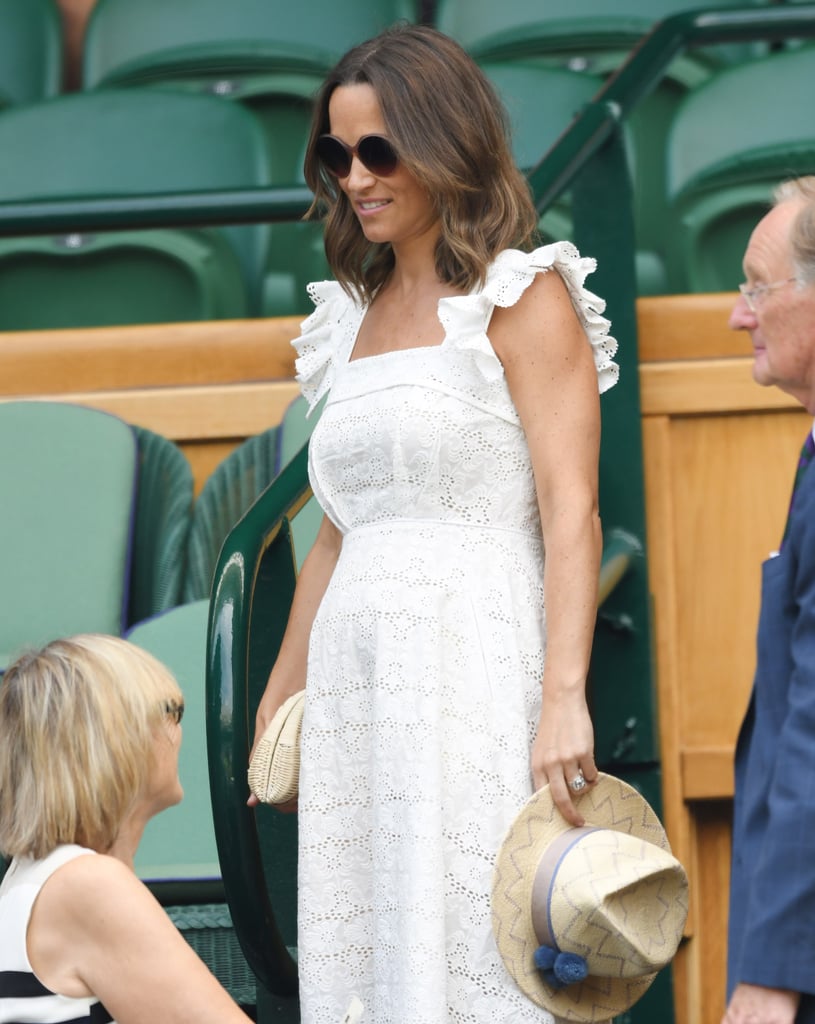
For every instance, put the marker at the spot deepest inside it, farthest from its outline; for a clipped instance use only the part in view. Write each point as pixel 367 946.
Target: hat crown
pixel 617 900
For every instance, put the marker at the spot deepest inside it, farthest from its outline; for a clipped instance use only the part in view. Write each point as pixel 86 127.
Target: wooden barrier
pixel 718 458
pixel 207 386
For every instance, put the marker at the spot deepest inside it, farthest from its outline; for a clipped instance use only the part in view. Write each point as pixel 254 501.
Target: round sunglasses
pixel 375 152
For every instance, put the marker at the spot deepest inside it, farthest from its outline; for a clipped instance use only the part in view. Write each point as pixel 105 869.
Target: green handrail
pixel 154 210
pixel 254 582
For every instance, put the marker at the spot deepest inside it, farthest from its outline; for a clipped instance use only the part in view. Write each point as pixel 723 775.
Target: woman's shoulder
pixel 323 336
pixel 512 273
pixel 77 870
pixel 513 270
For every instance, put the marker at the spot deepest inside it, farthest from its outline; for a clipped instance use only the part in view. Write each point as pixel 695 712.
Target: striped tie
pixel 804 459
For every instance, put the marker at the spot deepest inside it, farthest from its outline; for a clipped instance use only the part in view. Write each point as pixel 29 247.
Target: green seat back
pixel 722 168
pixel 126 39
pixel 163 516
pixel 597 36
pixel 30 50
pixel 577 26
pixel 139 142
pixel 295 431
pixel 234 486
pixel 229 491
pixel 69 480
pixel 119 277
pixel 178 856
pixel 179 844
pixel 271 65
pixel 541 103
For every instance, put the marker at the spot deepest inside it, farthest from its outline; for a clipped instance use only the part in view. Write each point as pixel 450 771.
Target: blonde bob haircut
pixel 79 721
pixel 450 131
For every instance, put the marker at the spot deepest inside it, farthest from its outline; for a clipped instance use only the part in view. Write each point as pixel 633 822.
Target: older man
pixel 771 955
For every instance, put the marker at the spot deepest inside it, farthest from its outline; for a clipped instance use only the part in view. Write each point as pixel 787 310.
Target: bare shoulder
pixel 92 873
pixel 543 319
pixel 87 883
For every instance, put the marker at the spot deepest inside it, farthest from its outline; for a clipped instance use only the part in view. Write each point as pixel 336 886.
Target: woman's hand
pixel 272 699
pixel 564 750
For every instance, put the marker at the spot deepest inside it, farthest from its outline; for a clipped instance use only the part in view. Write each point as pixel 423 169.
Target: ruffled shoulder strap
pixel 466 317
pixel 322 337
pixel 513 271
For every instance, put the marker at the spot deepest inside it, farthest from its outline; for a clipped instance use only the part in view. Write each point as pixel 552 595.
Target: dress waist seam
pixel 441 524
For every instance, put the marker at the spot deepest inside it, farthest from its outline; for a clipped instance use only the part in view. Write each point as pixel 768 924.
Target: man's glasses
pixel 755 293
pixel 175 710
pixel 375 152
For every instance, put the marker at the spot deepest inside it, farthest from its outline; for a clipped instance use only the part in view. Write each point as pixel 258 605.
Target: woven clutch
pixel 274 771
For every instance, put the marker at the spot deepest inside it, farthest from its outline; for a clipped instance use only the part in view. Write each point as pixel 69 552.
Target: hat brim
pixel 609 803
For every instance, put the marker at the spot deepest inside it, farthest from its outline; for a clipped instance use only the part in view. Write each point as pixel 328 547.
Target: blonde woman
pixel 90 729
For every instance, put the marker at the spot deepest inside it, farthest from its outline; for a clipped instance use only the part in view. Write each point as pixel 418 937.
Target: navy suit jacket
pixel 772 889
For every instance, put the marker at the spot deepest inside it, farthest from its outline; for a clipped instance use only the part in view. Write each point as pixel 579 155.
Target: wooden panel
pixel 691 387
pixel 195 413
pixel 152 355
pixel 707 773
pixel 707 976
pixel 688 327
pixel 662 573
pixel 735 476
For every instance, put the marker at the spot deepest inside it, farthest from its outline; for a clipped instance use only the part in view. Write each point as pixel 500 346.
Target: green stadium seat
pixel 69 496
pixel 294 432
pixel 541 102
pixel 722 167
pixel 596 37
pixel 228 492
pixel 140 42
pixel 131 277
pixel 111 142
pixel 593 34
pixel 179 844
pixel 30 51
pixel 235 484
pixel 178 857
pixel 270 61
pixel 164 504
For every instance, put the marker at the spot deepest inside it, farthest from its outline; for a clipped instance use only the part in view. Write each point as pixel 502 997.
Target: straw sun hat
pixel 585 917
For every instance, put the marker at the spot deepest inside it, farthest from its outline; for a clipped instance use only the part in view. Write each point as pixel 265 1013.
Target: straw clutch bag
pixel 274 770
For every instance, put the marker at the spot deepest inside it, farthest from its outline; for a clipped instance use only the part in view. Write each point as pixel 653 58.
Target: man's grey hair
pixel 802 234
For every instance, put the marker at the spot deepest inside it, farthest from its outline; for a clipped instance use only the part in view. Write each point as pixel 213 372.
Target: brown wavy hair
pixel 451 132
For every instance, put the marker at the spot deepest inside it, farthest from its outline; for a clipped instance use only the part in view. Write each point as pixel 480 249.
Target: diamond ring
pixel 578 783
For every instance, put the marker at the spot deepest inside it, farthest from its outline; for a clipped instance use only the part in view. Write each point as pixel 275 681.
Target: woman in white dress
pixel 459 440
pixel 90 729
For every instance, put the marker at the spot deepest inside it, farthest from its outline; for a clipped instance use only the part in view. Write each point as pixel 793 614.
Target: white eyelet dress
pixel 425 658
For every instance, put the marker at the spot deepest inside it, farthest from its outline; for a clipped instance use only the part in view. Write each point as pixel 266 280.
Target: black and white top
pixel 23 997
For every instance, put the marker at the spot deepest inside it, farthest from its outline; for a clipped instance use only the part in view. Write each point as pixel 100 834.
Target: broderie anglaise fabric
pixel 425 658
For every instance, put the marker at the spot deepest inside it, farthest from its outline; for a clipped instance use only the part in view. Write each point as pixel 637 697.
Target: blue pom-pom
pixel 545 957
pixel 570 968
pixel 560 969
